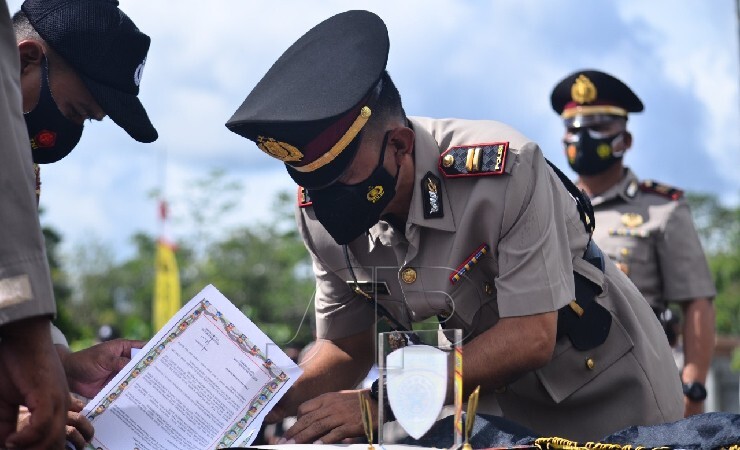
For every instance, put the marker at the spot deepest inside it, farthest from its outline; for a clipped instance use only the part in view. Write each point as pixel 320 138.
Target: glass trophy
pixel 417 368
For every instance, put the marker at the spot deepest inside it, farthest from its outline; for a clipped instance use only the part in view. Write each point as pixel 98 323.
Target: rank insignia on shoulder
pixel 431 187
pixel 661 189
pixel 470 262
pixel 303 198
pixel 474 160
pixel 632 220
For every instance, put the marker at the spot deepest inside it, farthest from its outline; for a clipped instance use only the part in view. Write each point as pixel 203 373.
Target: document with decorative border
pixel 206 380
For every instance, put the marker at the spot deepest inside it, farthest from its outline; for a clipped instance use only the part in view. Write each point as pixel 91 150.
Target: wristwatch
pixel 695 391
pixel 375 394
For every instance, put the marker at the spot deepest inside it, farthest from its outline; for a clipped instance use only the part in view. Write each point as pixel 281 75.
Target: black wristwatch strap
pixel 695 391
pixel 375 395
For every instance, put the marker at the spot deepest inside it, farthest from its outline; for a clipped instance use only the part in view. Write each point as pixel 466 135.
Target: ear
pixel 31 53
pixel 627 140
pixel 402 141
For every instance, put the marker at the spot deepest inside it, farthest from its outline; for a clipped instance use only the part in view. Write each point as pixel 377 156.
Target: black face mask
pixel 52 135
pixel 347 211
pixel 589 155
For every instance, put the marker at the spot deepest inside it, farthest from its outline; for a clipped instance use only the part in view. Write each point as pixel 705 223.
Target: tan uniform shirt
pixel 25 283
pixel 536 239
pixel 652 239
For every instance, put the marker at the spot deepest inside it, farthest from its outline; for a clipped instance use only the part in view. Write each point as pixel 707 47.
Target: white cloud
pixel 496 59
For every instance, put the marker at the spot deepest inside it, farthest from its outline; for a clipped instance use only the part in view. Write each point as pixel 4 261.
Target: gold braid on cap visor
pixel 339 147
pixel 593 110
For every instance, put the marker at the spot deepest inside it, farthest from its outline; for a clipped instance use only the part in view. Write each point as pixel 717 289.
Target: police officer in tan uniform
pixel 644 226
pixel 413 218
pixel 30 370
pixel 77 60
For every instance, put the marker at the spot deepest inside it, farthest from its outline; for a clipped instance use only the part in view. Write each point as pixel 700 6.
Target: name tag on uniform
pixel 371 287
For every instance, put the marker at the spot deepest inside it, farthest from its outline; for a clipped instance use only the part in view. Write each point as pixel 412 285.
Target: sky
pixel 470 59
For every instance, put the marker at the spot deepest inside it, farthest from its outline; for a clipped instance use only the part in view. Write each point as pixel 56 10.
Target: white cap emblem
pixel 137 73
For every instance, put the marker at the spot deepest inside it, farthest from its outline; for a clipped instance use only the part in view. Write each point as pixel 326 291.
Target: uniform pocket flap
pixel 571 369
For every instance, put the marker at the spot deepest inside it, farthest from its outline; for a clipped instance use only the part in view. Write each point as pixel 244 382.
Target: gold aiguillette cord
pixel 367 420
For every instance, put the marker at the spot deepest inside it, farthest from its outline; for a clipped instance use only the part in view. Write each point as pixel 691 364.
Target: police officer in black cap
pixel 645 226
pixel 464 221
pixel 79 60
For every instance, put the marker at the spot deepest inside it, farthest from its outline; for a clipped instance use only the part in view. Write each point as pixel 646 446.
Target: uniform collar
pixel 426 159
pixel 627 189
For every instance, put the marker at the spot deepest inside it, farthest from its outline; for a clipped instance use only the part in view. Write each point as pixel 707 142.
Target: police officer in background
pixel 456 219
pixel 644 226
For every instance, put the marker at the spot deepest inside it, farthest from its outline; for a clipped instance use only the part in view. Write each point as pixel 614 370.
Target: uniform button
pixel 623 267
pixel 590 364
pixel 487 288
pixel 500 390
pixel 408 275
pixel 448 160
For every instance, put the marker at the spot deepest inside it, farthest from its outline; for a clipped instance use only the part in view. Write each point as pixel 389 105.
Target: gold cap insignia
pixel 375 193
pixel 583 90
pixel 632 220
pixel 280 150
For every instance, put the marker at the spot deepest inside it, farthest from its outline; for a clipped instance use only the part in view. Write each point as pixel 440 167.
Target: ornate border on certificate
pixel 205 309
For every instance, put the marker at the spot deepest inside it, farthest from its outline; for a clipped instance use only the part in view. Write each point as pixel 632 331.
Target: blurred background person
pixel 644 226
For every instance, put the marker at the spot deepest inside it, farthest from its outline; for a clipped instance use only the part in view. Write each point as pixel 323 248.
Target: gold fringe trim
pixel 556 443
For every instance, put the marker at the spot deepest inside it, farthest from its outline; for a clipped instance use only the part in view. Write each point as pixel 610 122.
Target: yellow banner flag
pixel 166 285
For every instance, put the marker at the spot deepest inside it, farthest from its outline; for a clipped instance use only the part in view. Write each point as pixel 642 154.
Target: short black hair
pixel 23 28
pixel 388 105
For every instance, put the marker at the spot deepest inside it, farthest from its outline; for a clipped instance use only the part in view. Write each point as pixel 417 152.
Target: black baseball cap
pixel 105 49
pixel 310 108
pixel 588 96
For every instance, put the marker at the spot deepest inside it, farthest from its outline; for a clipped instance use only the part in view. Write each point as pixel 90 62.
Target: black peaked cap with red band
pixel 589 89
pixel 310 107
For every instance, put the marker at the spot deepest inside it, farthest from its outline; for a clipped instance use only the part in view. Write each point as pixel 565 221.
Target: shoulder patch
pixel 432 200
pixel 661 189
pixel 303 199
pixel 474 160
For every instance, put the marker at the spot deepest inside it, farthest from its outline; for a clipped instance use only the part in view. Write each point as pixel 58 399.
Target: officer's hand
pixel 79 429
pixel 89 370
pixel 691 408
pixel 31 375
pixel 330 417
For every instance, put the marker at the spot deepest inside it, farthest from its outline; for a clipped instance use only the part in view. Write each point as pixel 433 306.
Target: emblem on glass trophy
pixel 417 367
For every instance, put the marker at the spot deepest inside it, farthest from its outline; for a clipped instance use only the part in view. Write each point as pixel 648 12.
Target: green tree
pixel 60 283
pixel 263 268
pixel 265 271
pixel 719 229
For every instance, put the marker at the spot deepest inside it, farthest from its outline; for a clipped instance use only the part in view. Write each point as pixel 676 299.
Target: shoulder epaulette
pixel 474 160
pixel 303 199
pixel 661 189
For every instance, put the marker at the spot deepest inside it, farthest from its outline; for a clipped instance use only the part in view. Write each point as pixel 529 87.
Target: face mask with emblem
pixel 347 211
pixel 591 152
pixel 52 135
